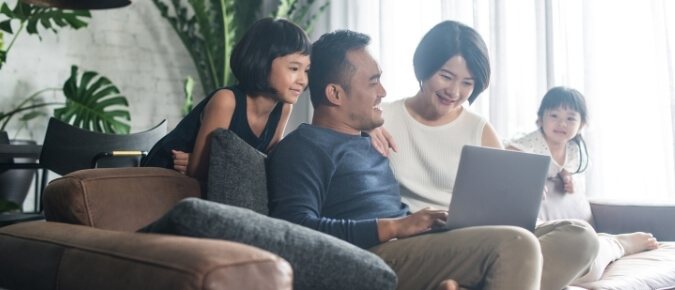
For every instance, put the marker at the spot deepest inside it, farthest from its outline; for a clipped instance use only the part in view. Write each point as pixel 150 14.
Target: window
pixel 619 54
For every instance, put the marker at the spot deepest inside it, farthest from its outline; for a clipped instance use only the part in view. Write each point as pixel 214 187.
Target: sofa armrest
pixel 616 218
pixel 47 255
pixel 123 199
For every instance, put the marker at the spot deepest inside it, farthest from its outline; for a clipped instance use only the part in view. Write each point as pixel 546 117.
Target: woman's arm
pixel 217 114
pixel 382 141
pixel 490 138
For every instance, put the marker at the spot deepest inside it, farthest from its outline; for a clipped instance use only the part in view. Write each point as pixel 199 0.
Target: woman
pixel 452 67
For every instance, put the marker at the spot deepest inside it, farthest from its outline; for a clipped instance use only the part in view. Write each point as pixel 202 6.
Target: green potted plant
pixel 87 101
pixel 91 101
pixel 214 27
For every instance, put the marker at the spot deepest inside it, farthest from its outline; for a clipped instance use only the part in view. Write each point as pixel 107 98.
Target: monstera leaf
pixel 32 17
pixel 94 103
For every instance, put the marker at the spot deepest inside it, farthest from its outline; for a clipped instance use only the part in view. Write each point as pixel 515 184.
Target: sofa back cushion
pixel 123 199
pixel 236 173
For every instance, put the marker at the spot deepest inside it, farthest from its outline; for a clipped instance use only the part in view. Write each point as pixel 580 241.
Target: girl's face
pixel 288 76
pixel 560 125
pixel 450 86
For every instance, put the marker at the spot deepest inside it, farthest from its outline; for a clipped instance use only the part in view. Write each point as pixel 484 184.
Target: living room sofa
pixel 89 240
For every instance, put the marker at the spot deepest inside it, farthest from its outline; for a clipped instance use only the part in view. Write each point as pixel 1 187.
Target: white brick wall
pixel 133 46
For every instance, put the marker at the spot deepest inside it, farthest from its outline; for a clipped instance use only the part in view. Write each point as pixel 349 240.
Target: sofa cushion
pixel 49 255
pixel 646 270
pixel 121 199
pixel 236 173
pixel 319 261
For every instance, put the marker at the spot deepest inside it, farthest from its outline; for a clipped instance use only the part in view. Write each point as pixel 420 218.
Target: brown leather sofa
pixel 88 241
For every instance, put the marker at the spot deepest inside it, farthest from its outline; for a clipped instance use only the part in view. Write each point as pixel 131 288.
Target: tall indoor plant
pixel 88 101
pixel 91 102
pixel 209 29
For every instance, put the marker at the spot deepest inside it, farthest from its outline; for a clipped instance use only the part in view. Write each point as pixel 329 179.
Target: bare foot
pixel 637 242
pixel 448 285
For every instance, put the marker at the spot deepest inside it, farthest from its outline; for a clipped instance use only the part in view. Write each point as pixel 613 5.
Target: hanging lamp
pixel 79 4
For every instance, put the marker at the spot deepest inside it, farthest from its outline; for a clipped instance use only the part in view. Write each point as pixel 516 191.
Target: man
pixel 328 177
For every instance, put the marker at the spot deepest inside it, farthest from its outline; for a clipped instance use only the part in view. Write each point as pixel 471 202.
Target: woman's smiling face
pixel 449 87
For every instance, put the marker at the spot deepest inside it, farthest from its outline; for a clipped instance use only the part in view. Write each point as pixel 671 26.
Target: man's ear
pixel 539 122
pixel 334 94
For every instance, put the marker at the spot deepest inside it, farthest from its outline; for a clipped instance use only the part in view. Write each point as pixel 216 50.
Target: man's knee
pixel 586 239
pixel 582 235
pixel 523 242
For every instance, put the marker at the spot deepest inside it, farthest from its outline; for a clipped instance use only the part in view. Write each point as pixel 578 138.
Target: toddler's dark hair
pixel 568 98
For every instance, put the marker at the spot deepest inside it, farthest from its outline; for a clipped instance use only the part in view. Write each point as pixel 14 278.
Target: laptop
pixel 497 187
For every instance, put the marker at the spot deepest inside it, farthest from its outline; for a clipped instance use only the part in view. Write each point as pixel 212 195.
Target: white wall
pixel 133 46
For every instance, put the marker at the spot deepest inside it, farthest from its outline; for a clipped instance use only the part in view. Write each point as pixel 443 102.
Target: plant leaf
pixel 188 86
pixel 94 104
pixel 284 9
pixel 6 205
pixel 309 24
pixel 32 115
pixel 6 26
pixel 3 57
pixel 3 54
pixel 4 9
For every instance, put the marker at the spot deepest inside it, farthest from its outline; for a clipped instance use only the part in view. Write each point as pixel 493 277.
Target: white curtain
pixel 619 53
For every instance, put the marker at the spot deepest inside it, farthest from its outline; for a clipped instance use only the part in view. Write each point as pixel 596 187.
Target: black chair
pixel 67 148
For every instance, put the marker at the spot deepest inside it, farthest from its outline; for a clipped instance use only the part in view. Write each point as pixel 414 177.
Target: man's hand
pixel 566 178
pixel 180 160
pixel 413 224
pixel 382 141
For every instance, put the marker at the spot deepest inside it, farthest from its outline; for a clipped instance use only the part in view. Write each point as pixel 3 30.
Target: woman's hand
pixel 382 141
pixel 180 160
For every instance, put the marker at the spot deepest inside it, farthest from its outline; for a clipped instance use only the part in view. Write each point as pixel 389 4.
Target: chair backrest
pixel 67 148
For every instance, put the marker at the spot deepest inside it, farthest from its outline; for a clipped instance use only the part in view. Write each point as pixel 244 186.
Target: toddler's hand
pixel 567 181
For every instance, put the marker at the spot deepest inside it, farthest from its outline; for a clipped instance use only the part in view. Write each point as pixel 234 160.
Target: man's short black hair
pixel 330 63
pixel 446 40
pixel 265 40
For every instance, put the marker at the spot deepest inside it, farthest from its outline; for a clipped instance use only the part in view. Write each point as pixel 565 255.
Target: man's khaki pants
pixel 494 257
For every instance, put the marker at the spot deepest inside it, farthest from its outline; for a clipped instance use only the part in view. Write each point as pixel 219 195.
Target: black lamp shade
pixel 80 4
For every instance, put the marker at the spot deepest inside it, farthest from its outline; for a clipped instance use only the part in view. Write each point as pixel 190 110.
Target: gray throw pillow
pixel 236 173
pixel 319 261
